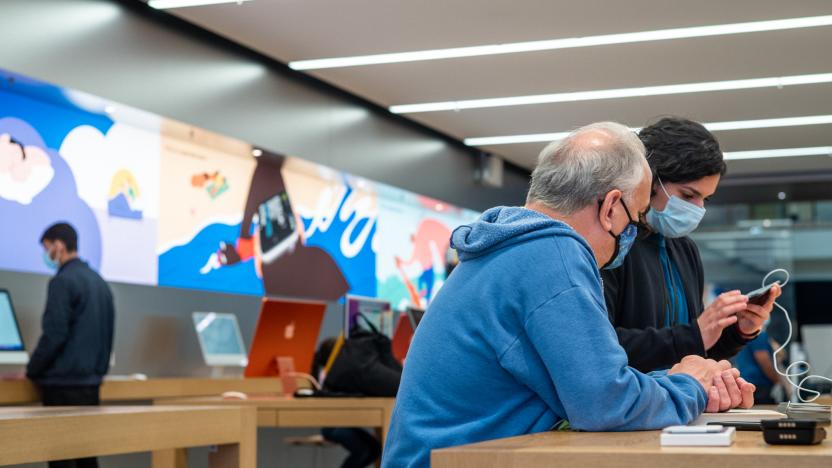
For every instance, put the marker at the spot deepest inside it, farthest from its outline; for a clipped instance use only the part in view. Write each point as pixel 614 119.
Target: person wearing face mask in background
pixel 655 298
pixel 73 353
pixel 518 340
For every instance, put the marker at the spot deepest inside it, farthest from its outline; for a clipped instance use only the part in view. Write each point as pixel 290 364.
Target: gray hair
pixel 580 169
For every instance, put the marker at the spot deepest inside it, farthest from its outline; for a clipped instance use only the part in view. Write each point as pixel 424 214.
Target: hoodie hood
pixel 504 226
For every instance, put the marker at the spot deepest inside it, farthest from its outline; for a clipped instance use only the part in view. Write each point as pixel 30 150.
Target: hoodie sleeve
pixel 599 392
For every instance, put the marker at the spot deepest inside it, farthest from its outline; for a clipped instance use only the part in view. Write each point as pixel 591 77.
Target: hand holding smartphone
pixel 760 296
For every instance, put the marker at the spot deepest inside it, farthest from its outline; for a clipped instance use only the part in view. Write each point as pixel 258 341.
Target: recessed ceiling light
pixel 166 4
pixel 778 153
pixel 566 43
pixel 781 195
pixel 772 82
pixel 713 126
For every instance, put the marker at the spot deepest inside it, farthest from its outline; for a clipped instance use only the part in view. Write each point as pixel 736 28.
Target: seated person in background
pixel 655 298
pixel 518 340
pixel 363 447
pixel 756 363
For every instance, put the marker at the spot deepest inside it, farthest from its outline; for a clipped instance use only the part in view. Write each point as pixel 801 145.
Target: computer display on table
pixel 12 350
pixel 415 314
pixel 376 311
pixel 220 339
pixel 285 329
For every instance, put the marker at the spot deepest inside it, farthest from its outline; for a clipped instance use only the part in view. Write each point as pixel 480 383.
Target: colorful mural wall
pixel 159 202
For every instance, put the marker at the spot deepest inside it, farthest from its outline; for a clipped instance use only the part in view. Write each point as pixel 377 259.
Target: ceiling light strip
pixel 167 4
pixel 778 153
pixel 566 43
pixel 754 83
pixel 713 126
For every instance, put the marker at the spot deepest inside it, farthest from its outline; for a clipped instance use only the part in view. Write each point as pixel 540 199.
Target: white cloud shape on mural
pixel 24 171
pixel 97 159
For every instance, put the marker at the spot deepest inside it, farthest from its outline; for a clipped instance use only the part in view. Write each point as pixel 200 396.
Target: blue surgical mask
pixel 47 259
pixel 678 219
pixel 623 242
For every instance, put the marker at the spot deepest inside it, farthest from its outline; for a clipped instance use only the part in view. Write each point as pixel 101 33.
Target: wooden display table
pixel 627 449
pixel 30 435
pixel 21 392
pixel 275 411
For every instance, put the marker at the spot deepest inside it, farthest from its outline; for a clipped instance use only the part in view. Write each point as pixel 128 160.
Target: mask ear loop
pixel 662 185
pixel 790 372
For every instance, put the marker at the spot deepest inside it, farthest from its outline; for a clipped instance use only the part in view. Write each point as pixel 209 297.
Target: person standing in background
pixel 73 353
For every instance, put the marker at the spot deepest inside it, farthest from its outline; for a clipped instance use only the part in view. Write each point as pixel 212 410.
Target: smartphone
pixel 740 425
pixel 707 429
pixel 760 293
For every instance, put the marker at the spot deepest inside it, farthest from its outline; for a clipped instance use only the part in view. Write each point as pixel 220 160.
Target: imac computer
pixel 415 314
pixel 405 328
pixel 220 339
pixel 376 311
pixel 285 338
pixel 12 350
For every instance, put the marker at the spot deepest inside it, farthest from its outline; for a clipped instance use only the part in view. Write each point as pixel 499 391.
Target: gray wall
pixel 119 53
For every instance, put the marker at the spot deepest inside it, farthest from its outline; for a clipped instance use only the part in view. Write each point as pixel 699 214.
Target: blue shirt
pixel 676 307
pixel 517 340
pixel 748 366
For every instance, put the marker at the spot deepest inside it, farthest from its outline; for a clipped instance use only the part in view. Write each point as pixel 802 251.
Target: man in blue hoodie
pixel 518 338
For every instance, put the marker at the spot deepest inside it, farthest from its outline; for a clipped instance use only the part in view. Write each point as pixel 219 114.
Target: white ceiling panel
pixel 290 30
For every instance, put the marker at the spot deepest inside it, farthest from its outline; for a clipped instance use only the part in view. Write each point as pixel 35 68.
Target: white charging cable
pixel 790 373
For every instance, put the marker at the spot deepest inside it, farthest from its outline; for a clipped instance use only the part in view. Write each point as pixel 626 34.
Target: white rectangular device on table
pixel 12 350
pixel 697 436
pixel 220 339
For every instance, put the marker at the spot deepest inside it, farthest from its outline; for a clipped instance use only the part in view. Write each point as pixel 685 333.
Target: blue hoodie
pixel 518 340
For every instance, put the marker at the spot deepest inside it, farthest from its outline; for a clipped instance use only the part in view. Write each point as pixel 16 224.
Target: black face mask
pixel 623 241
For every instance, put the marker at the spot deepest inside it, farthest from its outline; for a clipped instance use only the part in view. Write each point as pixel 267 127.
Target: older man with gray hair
pixel 518 340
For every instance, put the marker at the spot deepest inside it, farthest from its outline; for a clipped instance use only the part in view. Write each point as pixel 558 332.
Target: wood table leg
pixel 242 454
pixel 386 416
pixel 172 458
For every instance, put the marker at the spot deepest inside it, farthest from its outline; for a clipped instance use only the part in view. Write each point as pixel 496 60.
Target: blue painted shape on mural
pixel 46 108
pixel 118 206
pixel 22 225
pixel 179 267
pixel 360 271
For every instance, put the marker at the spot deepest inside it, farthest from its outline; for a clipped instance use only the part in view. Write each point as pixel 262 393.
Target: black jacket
pixel 636 294
pixel 78 322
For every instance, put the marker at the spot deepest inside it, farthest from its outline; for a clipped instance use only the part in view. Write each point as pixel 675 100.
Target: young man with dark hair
pixel 73 353
pixel 654 298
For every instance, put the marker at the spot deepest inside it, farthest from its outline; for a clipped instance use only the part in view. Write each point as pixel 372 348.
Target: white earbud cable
pixel 789 372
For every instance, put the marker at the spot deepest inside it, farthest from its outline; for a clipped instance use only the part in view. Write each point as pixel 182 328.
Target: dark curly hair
pixel 681 150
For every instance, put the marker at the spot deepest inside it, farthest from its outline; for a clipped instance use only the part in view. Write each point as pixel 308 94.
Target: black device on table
pixel 792 432
pixel 739 425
